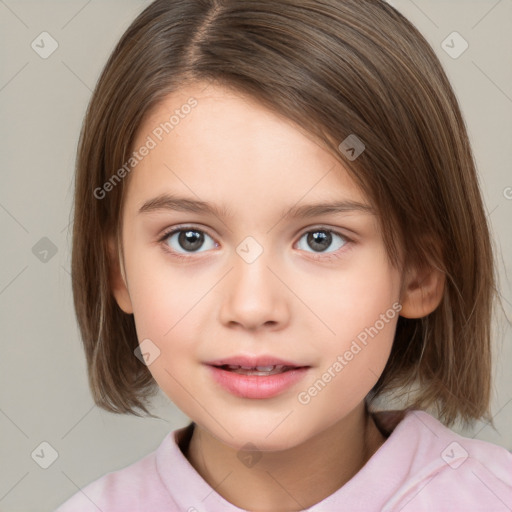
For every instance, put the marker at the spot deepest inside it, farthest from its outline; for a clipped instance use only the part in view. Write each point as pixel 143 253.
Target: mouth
pixel 259 365
pixel 262 371
pixel 258 380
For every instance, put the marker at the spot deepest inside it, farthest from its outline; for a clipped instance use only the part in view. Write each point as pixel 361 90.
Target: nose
pixel 254 296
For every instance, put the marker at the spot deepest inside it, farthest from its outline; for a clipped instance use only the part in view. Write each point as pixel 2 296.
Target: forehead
pixel 215 143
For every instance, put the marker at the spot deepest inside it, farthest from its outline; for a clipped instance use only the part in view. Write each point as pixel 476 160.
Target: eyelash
pixel 322 257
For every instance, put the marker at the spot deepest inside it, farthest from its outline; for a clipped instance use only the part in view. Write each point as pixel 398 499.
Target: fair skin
pixel 292 301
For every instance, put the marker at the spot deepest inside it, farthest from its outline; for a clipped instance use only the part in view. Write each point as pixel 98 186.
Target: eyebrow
pixel 165 202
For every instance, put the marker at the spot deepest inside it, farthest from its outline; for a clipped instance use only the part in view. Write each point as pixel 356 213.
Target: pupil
pixel 190 240
pixel 319 240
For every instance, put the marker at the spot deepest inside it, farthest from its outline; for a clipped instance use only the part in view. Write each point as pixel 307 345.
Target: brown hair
pixel 334 67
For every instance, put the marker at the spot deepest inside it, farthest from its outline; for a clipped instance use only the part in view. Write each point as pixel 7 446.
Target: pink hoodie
pixel 422 466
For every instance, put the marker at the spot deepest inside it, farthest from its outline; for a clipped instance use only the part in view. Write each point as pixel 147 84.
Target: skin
pixel 210 304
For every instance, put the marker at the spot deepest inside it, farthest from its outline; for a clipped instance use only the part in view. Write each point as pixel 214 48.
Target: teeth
pixel 258 368
pixel 266 368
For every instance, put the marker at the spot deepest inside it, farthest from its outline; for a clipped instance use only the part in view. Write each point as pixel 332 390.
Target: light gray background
pixel 44 394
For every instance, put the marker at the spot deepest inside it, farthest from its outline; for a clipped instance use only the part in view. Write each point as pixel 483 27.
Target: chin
pixel 265 437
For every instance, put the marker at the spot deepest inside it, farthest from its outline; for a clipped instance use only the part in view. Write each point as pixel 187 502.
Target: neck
pixel 292 479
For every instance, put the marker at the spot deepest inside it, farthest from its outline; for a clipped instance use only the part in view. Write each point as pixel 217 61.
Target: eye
pixel 185 240
pixel 321 239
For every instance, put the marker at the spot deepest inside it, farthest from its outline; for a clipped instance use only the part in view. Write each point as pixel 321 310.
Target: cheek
pixel 358 297
pixel 167 303
pixel 351 367
pixel 163 294
pixel 361 312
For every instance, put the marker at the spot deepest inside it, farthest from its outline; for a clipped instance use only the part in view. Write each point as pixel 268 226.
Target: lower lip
pixel 256 386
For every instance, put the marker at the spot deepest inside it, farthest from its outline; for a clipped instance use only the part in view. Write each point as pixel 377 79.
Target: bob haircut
pixel 335 68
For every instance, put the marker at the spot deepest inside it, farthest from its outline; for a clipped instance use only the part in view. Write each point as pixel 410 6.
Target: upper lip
pixel 253 361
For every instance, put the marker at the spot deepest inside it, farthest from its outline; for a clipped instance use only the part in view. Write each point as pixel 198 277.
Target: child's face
pixel 223 298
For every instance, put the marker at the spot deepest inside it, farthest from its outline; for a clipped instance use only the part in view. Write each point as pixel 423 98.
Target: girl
pixel 278 221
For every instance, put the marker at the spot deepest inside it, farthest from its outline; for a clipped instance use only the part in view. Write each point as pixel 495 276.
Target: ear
pixel 117 278
pixel 422 291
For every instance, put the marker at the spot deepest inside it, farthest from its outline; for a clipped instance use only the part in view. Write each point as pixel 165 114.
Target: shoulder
pixel 133 488
pixel 446 471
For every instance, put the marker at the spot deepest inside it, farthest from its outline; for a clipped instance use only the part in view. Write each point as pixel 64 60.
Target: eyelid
pixel 183 227
pixel 325 227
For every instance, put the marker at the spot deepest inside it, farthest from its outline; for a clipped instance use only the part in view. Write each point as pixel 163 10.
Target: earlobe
pixel 117 280
pixel 422 292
